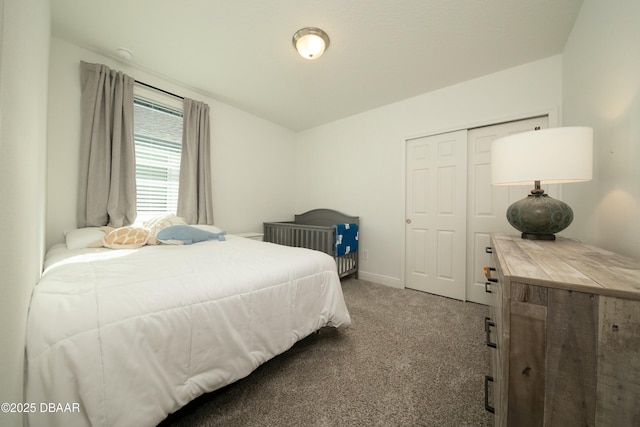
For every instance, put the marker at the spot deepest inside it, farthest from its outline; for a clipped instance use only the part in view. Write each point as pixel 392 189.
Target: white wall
pixel 24 54
pixel 356 165
pixel 601 89
pixel 252 159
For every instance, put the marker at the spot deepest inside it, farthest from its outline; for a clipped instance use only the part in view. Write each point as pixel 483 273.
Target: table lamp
pixel 550 156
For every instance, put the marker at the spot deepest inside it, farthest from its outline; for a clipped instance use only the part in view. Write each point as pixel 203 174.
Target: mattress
pixel 126 337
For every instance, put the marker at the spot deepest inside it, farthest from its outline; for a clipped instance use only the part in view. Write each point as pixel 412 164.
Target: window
pixel 157 132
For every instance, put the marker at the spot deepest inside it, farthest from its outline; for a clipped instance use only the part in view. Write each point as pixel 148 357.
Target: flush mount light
pixel 310 42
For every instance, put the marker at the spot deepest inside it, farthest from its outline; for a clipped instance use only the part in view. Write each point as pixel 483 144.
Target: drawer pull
pixel 487 380
pixel 487 274
pixel 486 287
pixel 488 324
pixel 488 249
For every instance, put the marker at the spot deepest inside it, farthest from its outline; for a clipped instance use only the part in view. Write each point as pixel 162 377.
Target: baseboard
pixel 379 278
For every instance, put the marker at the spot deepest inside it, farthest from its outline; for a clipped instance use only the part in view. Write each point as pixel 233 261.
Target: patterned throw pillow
pixel 158 223
pixel 125 237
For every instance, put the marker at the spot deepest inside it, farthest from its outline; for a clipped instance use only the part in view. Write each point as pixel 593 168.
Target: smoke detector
pixel 124 54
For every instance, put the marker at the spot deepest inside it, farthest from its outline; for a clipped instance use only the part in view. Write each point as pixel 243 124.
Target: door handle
pixel 408 221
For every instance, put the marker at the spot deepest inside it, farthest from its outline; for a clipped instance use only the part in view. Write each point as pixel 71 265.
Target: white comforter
pixel 125 337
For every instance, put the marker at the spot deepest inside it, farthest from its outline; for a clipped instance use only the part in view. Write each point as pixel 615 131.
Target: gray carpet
pixel 409 359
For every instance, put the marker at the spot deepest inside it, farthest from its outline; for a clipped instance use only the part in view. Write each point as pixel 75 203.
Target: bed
pixel 320 229
pixel 126 337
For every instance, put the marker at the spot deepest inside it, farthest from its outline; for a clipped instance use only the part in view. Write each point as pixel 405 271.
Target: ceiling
pixel 240 52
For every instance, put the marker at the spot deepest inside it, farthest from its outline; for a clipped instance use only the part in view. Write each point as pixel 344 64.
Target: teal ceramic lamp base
pixel 539 216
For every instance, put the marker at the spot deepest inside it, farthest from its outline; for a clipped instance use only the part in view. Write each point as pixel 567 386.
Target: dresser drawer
pixel 494 333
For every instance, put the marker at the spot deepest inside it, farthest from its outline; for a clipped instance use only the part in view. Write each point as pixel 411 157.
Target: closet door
pixel 487 205
pixel 435 214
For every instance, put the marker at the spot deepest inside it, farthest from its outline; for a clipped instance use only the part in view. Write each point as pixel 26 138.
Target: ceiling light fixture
pixel 310 42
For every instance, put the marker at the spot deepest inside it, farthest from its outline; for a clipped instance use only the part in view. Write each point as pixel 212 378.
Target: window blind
pixel 158 144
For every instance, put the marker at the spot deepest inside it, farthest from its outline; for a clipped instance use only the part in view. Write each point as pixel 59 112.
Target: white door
pixel 487 205
pixel 435 214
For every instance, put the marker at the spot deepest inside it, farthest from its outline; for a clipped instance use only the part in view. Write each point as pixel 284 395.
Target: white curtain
pixel 107 193
pixel 194 195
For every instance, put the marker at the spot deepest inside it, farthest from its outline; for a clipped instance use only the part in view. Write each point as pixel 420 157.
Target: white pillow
pixel 83 237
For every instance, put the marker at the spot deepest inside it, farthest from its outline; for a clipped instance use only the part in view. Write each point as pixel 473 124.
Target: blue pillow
pixel 188 234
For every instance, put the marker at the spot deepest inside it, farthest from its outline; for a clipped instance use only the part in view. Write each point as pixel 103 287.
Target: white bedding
pixel 133 335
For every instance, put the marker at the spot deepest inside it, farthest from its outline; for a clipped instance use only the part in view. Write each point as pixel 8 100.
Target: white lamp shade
pixel 555 155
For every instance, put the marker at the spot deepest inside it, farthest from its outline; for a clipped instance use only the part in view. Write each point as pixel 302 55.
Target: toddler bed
pixel 126 337
pixel 325 230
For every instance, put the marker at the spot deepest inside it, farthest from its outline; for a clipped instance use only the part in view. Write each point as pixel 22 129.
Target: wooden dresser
pixel 564 332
